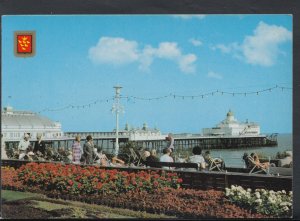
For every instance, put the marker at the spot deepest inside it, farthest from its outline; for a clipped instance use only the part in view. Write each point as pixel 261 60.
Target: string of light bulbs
pixel 171 95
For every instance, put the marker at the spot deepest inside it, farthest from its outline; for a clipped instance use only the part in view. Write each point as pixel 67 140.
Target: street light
pixel 117 107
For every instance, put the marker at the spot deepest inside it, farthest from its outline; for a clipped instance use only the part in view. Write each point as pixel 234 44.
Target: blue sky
pixel 80 58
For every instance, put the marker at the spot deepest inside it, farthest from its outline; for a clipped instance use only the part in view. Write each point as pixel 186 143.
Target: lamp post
pixel 118 109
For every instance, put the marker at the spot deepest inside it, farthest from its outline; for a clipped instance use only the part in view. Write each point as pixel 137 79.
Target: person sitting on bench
pixel 152 157
pixel 197 158
pixel 287 161
pixel 166 157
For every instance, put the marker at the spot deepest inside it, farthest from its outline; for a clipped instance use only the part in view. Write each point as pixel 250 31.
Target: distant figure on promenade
pixel 170 142
pixel 3 150
pixel 152 157
pixel 166 156
pixel 197 158
pixel 24 144
pixel 88 150
pixel 39 146
pixel 76 150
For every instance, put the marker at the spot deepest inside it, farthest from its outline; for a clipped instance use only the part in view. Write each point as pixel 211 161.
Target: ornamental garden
pixel 151 191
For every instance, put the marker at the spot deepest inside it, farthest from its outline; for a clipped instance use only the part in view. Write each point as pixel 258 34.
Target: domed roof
pixel 12 118
pixel 230 113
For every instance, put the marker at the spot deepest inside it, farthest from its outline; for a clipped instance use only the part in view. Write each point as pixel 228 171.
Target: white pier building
pixel 15 123
pixel 145 133
pixel 231 127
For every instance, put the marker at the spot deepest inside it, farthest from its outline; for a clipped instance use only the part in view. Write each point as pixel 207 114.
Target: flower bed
pixel 75 180
pixel 9 179
pixel 278 204
pixel 150 191
pixel 182 203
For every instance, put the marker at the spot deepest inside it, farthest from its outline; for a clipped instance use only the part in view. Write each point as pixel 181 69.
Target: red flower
pixel 179 180
pixel 156 176
pixel 102 175
pixel 70 182
pixel 99 186
pixel 133 181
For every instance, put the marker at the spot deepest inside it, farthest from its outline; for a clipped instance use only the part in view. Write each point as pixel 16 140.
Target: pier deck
pixel 107 142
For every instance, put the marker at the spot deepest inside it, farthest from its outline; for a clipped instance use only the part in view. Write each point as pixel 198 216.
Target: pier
pixel 185 141
pixel 107 141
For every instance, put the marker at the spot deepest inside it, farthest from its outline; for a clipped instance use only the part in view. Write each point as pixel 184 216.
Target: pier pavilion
pixel 15 123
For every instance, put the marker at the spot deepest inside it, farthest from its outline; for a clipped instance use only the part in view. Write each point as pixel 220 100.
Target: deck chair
pixel 215 164
pixel 135 158
pixel 254 167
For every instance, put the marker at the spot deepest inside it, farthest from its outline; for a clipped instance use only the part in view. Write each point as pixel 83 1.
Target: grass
pixel 74 209
pixel 48 205
pixel 8 195
pixel 121 212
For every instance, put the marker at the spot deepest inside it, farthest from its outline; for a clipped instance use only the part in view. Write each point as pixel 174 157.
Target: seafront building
pixel 145 133
pixel 15 123
pixel 232 127
pixel 129 133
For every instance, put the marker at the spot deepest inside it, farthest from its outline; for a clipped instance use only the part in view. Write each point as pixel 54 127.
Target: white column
pixel 117 108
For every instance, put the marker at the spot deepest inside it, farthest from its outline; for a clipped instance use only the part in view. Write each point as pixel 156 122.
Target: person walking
pixel 39 146
pixel 88 150
pixel 170 142
pixel 23 146
pixel 76 150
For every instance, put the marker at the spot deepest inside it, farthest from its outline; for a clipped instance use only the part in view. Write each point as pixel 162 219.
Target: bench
pixel 172 165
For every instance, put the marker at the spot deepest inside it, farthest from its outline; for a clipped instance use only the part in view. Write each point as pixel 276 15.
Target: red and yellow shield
pixel 24 43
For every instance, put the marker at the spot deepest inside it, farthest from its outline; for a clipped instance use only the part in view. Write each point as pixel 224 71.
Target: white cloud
pixel 168 50
pixel 261 48
pixel 146 58
pixel 186 63
pixel 114 51
pixel 195 42
pixel 121 51
pixel 214 75
pixel 189 16
pixel 223 48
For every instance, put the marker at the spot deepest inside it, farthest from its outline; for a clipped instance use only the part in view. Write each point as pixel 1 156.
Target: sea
pixel 233 157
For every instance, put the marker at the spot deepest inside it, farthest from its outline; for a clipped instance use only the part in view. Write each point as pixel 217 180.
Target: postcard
pixel 147 116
